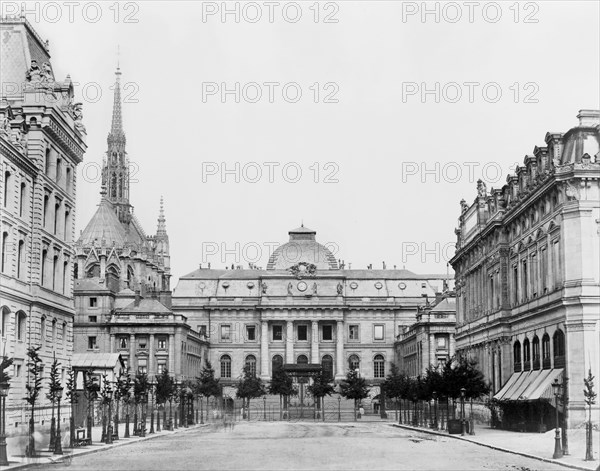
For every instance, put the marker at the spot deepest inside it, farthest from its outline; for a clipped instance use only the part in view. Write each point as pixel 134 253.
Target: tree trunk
pixel 52 430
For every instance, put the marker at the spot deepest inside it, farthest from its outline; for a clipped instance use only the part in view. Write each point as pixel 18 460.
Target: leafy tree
pixel 54 390
pixel 141 386
pixel 208 385
pixel 395 386
pixel 590 399
pixel 164 387
pixel 320 387
pixel 73 399
pixel 282 384
pixel 105 398
pixel 4 365
pixel 33 387
pixel 90 392
pixel 122 393
pixel 354 387
pixel 249 387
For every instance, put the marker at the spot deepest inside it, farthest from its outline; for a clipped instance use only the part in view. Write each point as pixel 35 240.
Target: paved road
pixel 314 446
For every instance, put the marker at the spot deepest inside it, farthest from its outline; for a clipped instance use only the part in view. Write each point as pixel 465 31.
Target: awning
pixel 529 385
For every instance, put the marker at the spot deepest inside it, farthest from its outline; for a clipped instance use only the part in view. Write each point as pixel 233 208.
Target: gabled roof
pixel 104 225
pixel 150 306
pixel 446 304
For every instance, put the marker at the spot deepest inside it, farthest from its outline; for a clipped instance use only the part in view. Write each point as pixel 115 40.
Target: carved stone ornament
pixel 571 192
pixel 264 287
pixel 303 269
pixel 481 189
pixel 78 115
pixel 340 289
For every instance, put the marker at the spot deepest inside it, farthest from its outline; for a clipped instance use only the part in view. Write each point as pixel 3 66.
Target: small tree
pixel 164 390
pixel 90 392
pixel 141 387
pixel 249 387
pixel 54 388
pixel 72 397
pixel 283 385
pixel 320 387
pixel 394 387
pixel 122 389
pixel 590 399
pixel 33 387
pixel 105 398
pixel 207 385
pixel 354 387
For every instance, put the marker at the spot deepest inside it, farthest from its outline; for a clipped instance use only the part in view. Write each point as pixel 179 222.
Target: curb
pixel 494 447
pixel 103 447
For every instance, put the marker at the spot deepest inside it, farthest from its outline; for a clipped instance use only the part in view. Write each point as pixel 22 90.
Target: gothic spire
pixel 162 228
pixel 116 129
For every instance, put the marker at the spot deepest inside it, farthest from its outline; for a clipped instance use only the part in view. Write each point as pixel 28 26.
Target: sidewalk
pixel 16 445
pixel 533 445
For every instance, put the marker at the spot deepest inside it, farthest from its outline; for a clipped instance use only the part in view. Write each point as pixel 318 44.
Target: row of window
pixel 301 332
pixel 58 331
pixel 527 356
pixel 326 364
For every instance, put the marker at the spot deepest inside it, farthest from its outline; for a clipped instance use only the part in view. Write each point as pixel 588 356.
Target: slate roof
pixel 104 225
pixel 95 360
pixel 150 306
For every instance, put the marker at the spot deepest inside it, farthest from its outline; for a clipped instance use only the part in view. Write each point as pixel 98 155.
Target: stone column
pixel 339 351
pixel 264 350
pixel 289 342
pixel 112 347
pixel 131 352
pixel 151 361
pixel 432 360
pixel 172 354
pixel 314 343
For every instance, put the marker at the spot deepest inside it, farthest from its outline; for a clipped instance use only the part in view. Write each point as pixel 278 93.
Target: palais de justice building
pixel 527 271
pixel 305 308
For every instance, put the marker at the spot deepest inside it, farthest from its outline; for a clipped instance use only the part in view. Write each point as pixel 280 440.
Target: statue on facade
pixel 4 125
pixel 481 189
pixel 289 288
pixel 34 74
pixel 463 206
pixel 340 289
pixel 314 289
pixel 46 73
pixel 264 287
pixel 78 115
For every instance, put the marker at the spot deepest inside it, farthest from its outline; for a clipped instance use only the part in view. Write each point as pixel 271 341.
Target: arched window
pixel 225 366
pixel 517 356
pixel 536 352
pixel 113 186
pixel 327 365
pixel 526 355
pixel 7 184
pixel 20 257
pixel 43 328
pixel 251 364
pixel 4 252
pixel 21 319
pixel 53 330
pixel 5 320
pixel 379 366
pixel 76 270
pixel 22 197
pixel 43 267
pixel 64 332
pixel 546 351
pixel 302 360
pixel 276 363
pixel 558 341
pixel 354 362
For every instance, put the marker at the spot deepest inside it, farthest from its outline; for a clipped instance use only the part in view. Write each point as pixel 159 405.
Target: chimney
pixel 136 303
pixel 438 297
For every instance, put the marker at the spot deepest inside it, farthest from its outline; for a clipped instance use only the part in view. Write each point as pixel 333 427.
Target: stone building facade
pixel 430 340
pixel 122 278
pixel 42 140
pixel 305 308
pixel 527 271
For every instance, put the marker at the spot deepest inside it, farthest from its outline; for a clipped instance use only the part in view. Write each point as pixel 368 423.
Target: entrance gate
pixel 302 373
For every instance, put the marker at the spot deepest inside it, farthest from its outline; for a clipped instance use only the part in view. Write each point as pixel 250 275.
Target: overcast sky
pixel 364 133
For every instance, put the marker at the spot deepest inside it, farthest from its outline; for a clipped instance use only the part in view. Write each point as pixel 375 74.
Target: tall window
pixel 525 280
pixel 517 356
pixel 22 197
pixel 122 342
pixel 225 333
pixel 526 354
pixel 277 332
pixel 276 362
pixel 54 271
pixel 327 366
pixel 515 285
pixel 20 252
pixel 43 267
pixel 251 333
pixel 65 281
pixel 378 332
pixel 327 332
pixel 56 214
pixel 45 212
pixel 162 343
pixel 48 161
pixel 54 330
pixel 251 364
pixel 5 318
pixel 353 332
pixel 535 347
pixel 7 183
pixel 558 341
pixel 58 170
pixel 43 328
pixel 225 366
pixel 68 180
pixel 21 318
pixel 302 332
pixel 4 251
pixel 66 232
pixel 546 351
pixel 379 366
pixel 354 362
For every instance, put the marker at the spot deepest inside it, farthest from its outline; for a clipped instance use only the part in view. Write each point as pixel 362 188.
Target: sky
pixel 366 121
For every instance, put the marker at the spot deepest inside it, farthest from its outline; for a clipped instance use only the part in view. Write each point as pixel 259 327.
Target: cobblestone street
pixel 301 445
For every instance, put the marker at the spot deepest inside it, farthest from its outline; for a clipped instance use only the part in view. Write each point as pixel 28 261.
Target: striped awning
pixel 529 385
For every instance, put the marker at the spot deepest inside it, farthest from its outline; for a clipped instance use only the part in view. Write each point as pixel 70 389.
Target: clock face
pixel 302 286
pixel 378 285
pixel 402 285
pixel 354 285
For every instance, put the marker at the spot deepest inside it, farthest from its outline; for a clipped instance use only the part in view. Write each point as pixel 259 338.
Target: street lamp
pixel 3 393
pixel 435 409
pixel 462 411
pixel 557 446
pixel 144 409
pixel 109 431
pixel 152 397
pixel 58 439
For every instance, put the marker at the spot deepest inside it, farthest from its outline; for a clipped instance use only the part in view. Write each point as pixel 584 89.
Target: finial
pixel 102 192
pixel 118 56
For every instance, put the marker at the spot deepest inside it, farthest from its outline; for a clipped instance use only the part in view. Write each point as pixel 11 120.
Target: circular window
pixel 225 284
pixel 250 285
pixel 378 285
pixel 354 285
pixel 202 285
pixel 402 285
pixel 302 286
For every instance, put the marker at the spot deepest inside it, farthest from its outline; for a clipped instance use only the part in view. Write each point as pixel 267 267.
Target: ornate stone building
pixel 122 286
pixel 527 271
pixel 430 340
pixel 42 140
pixel 304 309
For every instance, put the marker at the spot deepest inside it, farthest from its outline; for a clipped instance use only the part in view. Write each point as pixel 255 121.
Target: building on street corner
pixel 528 276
